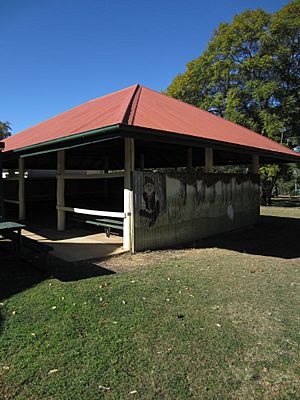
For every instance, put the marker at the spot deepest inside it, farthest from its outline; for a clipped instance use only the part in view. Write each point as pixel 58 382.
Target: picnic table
pixel 9 227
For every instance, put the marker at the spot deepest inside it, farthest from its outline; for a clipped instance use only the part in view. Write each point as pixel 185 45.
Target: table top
pixel 10 225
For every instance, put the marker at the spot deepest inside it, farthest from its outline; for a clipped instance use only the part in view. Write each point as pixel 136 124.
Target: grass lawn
pixel 217 322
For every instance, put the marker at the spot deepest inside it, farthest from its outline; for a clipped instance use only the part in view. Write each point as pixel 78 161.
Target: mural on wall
pixel 153 198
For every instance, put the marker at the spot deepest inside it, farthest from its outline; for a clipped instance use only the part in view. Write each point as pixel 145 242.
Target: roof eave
pixel 148 134
pixel 178 138
pixel 74 137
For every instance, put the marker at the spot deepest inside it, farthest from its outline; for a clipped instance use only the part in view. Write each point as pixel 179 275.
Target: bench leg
pixel 19 242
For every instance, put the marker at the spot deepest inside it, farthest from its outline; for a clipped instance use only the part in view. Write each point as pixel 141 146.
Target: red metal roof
pixel 157 111
pixel 103 111
pixel 142 107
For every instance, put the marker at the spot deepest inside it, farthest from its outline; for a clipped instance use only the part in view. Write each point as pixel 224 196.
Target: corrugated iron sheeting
pixel 173 209
pixel 142 107
pixel 98 113
pixel 161 112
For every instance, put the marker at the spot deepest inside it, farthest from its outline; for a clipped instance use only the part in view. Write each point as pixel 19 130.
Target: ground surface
pixel 77 244
pixel 216 322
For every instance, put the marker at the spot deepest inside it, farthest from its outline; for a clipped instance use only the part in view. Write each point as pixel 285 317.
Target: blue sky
pixel 57 54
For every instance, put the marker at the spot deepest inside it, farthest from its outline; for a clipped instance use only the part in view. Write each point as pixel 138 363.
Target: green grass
pixel 211 324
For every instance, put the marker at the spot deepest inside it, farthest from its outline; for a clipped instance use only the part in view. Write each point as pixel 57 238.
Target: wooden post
pixel 208 159
pixel 60 193
pixel 142 162
pixel 128 238
pixel 189 158
pixel 21 194
pixel 255 164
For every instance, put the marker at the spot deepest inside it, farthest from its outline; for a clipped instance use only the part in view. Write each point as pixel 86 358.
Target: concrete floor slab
pixel 77 244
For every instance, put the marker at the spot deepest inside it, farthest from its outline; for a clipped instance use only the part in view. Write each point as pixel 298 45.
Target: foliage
pixel 288 182
pixel 250 73
pixel 269 175
pixel 5 129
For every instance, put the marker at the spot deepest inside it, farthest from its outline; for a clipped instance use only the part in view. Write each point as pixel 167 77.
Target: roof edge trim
pixel 110 128
pixel 66 147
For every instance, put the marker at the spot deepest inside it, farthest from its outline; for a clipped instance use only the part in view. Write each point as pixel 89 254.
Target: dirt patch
pixel 131 262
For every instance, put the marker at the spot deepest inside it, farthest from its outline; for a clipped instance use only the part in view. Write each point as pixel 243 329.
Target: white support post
pixel 128 238
pixel 189 158
pixel 208 159
pixel 60 193
pixel 21 194
pixel 255 163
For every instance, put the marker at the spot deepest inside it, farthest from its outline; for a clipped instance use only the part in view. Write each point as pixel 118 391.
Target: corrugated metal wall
pixel 176 208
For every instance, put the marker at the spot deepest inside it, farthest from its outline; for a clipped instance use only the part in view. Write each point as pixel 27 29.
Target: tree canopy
pixel 5 129
pixel 250 73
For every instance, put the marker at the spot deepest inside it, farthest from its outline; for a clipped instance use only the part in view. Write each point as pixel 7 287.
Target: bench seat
pixel 106 223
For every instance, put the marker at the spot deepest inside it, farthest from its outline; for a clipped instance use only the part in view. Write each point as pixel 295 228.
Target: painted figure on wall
pixel 152 204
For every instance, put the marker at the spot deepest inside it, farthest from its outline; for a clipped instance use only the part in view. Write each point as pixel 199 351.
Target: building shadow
pixel 74 271
pixel 272 237
pixel 18 275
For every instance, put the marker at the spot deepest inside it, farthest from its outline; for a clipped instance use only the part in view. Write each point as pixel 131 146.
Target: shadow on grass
pixel 17 274
pixel 273 237
pixel 74 271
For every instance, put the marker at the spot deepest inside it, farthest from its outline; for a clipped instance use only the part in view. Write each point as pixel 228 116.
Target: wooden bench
pixel 39 249
pixel 107 223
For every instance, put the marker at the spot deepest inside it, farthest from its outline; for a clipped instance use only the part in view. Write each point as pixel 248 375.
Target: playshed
pixel 139 163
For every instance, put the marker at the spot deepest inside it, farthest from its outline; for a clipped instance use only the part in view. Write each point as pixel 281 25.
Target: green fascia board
pixel 81 135
pixel 55 149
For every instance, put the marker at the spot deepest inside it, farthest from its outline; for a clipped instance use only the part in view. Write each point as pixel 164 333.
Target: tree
pixel 284 44
pixel 5 130
pixel 269 176
pixel 250 74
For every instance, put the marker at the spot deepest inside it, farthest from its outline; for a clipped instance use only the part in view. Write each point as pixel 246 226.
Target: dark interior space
pixel 110 154
pixel 40 195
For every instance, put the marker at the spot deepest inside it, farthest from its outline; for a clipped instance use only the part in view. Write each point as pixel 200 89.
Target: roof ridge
pixel 134 105
pixel 131 107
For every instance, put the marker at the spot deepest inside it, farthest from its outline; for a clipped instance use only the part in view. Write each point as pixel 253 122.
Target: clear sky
pixel 57 54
